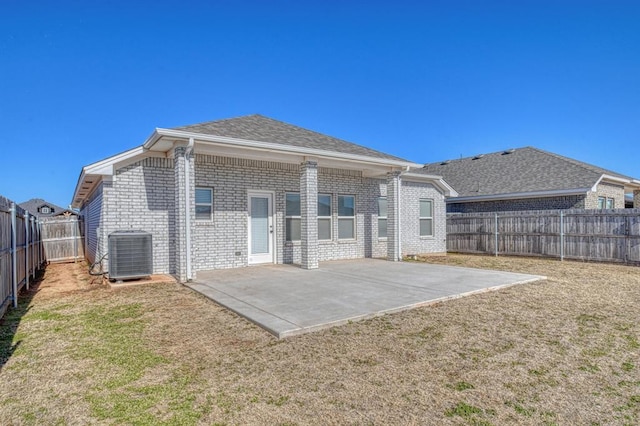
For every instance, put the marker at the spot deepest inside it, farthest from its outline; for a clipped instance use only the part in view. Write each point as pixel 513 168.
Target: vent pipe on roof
pixel 477 157
pixel 508 151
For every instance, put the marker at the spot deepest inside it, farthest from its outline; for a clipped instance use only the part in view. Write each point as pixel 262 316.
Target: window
pixel 426 218
pixel 204 203
pixel 606 203
pixel 292 216
pixel 324 216
pixel 346 217
pixel 45 210
pixel 382 217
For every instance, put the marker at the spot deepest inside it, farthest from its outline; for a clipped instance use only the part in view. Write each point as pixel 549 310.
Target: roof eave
pixel 436 180
pixel 271 146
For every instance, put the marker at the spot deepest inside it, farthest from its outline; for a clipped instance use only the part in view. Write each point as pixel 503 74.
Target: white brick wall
pixel 412 242
pixel 142 196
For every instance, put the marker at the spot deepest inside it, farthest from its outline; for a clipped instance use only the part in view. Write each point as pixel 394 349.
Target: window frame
pixel 613 203
pixel 210 204
pixel 329 217
pixel 381 217
pixel 344 218
pixel 603 203
pixel 425 218
pixel 287 217
pixel 45 210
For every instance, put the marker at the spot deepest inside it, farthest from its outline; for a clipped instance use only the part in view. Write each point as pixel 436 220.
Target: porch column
pixel 183 227
pixel 636 199
pixel 393 217
pixel 309 214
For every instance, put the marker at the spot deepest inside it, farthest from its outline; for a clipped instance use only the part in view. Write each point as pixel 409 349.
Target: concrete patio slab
pixel 287 300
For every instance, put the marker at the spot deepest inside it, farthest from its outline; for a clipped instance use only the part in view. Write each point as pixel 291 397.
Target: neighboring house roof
pixel 522 172
pixel 41 208
pixel 259 138
pixel 260 128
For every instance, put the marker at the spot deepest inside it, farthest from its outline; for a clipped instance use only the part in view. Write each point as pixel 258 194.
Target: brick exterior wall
pixel 393 216
pixel 309 214
pixel 587 201
pixel 545 203
pixel 412 242
pixel 140 197
pixel 143 196
pixel 606 190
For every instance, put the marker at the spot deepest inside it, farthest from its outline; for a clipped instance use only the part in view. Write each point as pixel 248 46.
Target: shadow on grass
pixel 12 318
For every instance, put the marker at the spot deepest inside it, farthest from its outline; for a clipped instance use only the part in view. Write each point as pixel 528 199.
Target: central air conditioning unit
pixel 130 255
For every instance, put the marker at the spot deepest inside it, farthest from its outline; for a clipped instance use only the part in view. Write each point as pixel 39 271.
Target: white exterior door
pixel 261 232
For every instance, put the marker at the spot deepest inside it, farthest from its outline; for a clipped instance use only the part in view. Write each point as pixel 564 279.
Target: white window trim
pixel 290 217
pixel 606 200
pixel 386 217
pixel 353 218
pixel 421 218
pixel 205 188
pixel 330 217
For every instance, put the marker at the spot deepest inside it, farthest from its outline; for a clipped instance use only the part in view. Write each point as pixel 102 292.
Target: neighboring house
pixel 43 209
pixel 531 179
pixel 252 190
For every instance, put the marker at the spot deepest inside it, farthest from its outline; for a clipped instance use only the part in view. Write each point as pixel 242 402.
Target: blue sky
pixel 423 80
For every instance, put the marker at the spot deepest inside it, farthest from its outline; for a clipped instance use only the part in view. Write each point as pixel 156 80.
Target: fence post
pixel 75 241
pixel 14 256
pixel 561 235
pixel 496 232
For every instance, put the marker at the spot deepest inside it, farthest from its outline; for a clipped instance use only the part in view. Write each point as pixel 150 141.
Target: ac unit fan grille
pixel 130 255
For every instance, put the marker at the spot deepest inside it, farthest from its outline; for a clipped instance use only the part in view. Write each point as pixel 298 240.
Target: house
pixel 42 209
pixel 531 179
pixel 253 190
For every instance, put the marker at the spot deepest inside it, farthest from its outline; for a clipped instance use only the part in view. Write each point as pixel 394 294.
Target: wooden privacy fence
pixel 594 235
pixel 62 238
pixel 21 251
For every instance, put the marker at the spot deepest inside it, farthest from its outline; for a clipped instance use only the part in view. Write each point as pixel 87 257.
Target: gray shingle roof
pixel 264 129
pixel 525 169
pixel 34 204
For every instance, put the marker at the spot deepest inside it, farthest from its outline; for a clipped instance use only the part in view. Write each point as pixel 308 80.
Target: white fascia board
pixel 628 183
pixel 517 195
pixel 438 181
pixel 273 147
pixel 105 167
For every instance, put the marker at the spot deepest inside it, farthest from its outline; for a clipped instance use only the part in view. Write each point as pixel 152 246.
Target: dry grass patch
pixel 561 351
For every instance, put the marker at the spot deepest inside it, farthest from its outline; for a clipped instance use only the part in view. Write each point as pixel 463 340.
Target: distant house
pixel 532 179
pixel 253 190
pixel 44 209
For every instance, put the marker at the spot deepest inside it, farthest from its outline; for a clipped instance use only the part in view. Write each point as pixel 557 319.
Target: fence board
pixel 594 235
pixel 62 239
pixel 18 266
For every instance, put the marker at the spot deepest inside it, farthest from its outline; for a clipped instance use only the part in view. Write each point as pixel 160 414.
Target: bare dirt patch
pixel 561 351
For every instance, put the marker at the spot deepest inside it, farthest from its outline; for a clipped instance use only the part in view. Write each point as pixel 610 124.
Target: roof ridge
pixel 202 123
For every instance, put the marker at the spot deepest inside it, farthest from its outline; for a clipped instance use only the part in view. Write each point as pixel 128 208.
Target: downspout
pixel 187 157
